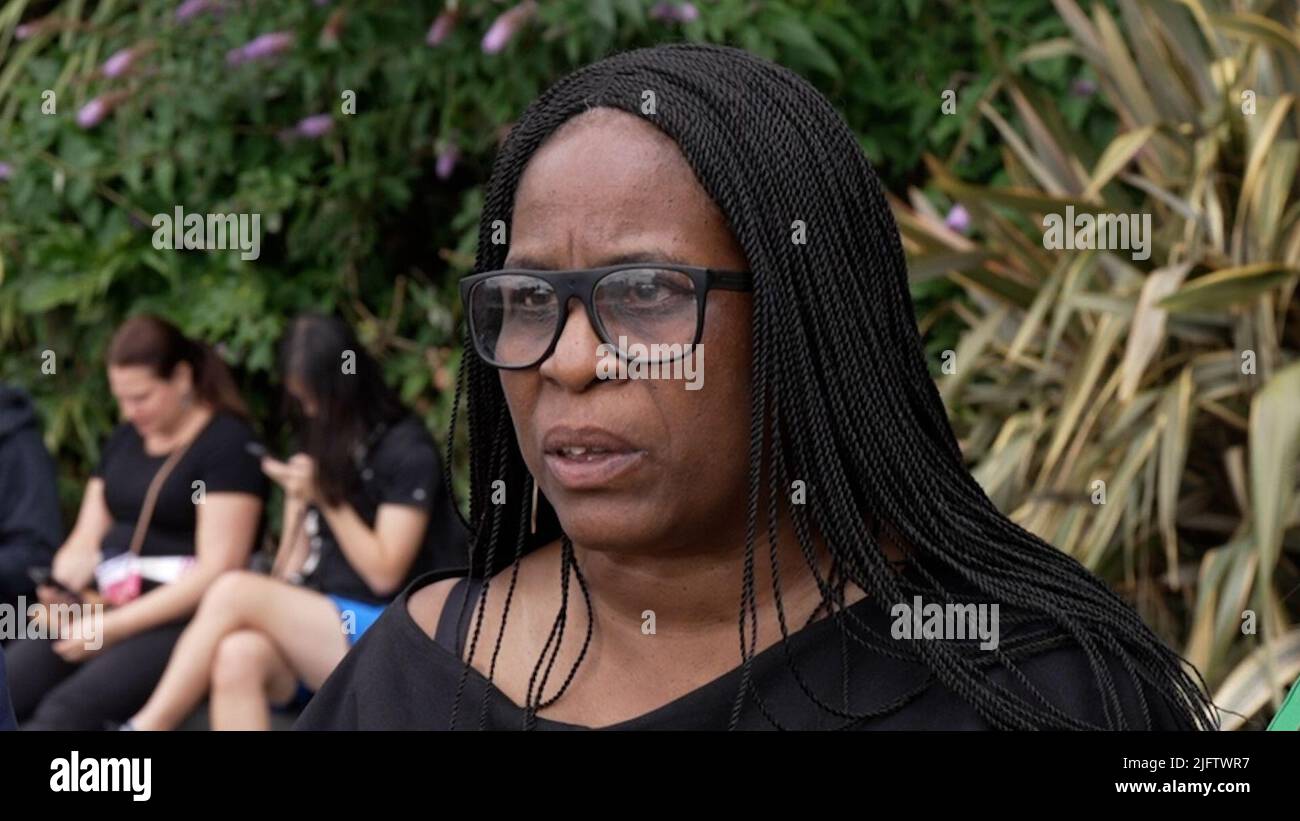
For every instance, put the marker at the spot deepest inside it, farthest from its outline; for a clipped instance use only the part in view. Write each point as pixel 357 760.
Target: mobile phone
pixel 259 450
pixel 43 576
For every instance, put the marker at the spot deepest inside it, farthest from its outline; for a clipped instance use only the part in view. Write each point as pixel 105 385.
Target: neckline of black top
pixel 144 447
pixel 683 703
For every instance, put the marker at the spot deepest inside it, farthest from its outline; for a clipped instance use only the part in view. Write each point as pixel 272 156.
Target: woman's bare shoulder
pixel 426 604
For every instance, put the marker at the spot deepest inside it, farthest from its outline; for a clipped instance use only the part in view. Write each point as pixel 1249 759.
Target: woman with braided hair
pixel 651 556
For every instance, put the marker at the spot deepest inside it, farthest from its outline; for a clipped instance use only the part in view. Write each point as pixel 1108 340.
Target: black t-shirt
pixel 397 677
pixel 401 467
pixel 218 458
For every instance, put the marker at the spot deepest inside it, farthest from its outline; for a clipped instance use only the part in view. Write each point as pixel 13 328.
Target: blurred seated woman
pixel 365 512
pixel 184 436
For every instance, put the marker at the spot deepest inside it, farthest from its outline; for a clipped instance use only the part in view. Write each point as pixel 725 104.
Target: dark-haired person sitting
pixel 365 513
pixel 184 437
pixel 30 526
pixel 733 556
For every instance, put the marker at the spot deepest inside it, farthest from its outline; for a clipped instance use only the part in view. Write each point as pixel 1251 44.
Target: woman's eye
pixel 528 298
pixel 649 292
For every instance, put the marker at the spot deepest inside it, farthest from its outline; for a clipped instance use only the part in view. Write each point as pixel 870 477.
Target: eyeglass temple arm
pixel 731 280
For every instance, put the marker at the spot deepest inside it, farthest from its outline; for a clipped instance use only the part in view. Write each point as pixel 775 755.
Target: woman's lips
pixel 585 458
pixel 587 471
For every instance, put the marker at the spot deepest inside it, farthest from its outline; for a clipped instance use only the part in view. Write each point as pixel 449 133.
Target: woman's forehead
pixel 622 156
pixel 612 179
pixel 131 377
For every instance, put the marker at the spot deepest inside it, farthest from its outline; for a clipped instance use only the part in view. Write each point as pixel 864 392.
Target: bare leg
pixel 302 624
pixel 249 675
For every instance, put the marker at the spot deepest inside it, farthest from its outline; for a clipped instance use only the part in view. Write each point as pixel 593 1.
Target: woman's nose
pixel 573 362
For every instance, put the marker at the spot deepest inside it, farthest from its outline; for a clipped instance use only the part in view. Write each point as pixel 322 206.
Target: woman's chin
pixel 609 526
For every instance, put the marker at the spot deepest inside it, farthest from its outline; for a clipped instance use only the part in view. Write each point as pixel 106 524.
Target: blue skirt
pixel 355 618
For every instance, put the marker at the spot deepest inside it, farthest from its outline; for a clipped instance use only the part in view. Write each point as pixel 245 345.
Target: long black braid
pixel 841 399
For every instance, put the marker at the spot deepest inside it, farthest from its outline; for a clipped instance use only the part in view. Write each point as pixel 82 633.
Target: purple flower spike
pixel 6 171
pixel 93 112
pixel 674 12
pixel 262 47
pixel 315 126
pixel 441 27
pixel 193 8
pixel 447 160
pixel 119 63
pixel 1083 88
pixel 958 219
pixel 505 26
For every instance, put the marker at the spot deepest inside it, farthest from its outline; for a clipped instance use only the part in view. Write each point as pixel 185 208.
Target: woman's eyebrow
pixel 536 264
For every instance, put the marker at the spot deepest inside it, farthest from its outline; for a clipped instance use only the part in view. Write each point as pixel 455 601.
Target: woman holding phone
pixel 365 512
pixel 175 490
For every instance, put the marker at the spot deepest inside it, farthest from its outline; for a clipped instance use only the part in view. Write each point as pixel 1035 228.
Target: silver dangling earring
pixel 533 529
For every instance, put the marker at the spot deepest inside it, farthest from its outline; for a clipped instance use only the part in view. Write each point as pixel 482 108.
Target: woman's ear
pixel 182 378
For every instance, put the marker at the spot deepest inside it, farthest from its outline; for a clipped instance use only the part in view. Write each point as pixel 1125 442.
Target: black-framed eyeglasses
pixel 516 315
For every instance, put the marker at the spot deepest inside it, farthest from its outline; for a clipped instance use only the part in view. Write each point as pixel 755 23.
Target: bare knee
pixel 230 592
pixel 244 660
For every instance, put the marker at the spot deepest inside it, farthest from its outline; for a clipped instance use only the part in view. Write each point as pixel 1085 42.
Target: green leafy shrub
pixel 356 216
pixel 1173 379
